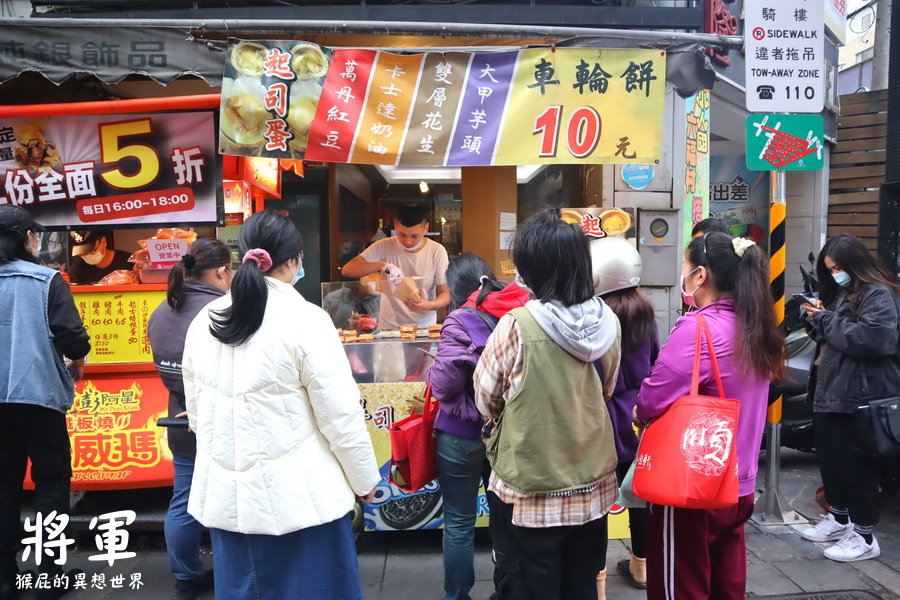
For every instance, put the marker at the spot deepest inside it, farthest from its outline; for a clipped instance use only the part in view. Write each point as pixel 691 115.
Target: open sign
pixel 167 251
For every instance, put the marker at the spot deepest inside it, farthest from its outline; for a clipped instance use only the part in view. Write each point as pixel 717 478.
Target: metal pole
pixel 771 509
pixel 248 26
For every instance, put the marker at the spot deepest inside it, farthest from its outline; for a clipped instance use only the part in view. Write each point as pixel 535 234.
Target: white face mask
pixel 93 258
pixel 33 245
pixel 416 247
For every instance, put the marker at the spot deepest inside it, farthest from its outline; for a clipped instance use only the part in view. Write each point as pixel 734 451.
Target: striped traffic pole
pixel 771 509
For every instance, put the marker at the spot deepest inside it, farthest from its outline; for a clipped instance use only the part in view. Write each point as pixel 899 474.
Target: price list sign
pixel 785 60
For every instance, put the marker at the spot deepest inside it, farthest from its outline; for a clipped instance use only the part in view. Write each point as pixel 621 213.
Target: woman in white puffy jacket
pixel 282 447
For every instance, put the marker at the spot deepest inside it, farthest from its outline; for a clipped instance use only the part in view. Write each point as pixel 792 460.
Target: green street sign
pixel 785 142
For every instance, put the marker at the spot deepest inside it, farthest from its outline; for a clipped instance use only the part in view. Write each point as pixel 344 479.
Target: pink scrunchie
pixel 260 257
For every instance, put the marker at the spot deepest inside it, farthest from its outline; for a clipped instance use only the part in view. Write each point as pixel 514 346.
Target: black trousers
pixel 554 563
pixel 36 433
pixel 850 477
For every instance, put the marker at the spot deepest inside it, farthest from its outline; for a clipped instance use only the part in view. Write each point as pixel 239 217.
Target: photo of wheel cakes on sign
pixel 270 93
pixel 293 99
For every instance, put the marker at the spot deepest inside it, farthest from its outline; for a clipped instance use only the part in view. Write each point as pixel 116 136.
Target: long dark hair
pixel 269 231
pixel 850 255
pixel 760 343
pixel 553 259
pixel 635 315
pixel 465 274
pixel 204 254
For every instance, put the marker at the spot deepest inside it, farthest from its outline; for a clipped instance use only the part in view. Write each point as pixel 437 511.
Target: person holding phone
pixel 855 324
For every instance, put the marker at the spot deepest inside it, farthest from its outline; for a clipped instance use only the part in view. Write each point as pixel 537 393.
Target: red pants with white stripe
pixel 697 554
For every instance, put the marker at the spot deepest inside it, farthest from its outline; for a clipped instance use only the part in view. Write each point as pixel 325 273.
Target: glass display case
pixel 389 358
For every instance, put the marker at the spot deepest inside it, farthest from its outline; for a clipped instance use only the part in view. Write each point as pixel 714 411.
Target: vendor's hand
pixel 813 306
pixel 422 305
pixel 370 497
pixel 391 271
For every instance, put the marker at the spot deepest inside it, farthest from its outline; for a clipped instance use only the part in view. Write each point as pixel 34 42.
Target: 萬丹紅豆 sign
pixel 785 60
pixel 540 105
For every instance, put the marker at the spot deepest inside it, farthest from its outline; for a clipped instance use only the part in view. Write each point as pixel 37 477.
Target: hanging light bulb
pixel 423 187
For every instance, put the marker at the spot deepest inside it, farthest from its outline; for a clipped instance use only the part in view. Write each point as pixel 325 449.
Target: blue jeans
pixel 182 530
pixel 461 464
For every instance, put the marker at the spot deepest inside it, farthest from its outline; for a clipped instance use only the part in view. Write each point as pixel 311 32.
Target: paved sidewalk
pixel 407 565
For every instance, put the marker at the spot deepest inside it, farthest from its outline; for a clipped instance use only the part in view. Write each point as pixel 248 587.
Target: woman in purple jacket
pixel 695 554
pixel 479 302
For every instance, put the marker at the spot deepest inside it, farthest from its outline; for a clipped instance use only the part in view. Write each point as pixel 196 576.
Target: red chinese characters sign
pixel 110 169
pixel 115 441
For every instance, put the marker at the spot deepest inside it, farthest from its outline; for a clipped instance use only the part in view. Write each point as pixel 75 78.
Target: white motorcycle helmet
pixel 616 264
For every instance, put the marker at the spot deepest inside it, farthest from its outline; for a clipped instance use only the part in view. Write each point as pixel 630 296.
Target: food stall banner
pixel 289 99
pixel 696 161
pixel 92 171
pixel 115 441
pixel 117 323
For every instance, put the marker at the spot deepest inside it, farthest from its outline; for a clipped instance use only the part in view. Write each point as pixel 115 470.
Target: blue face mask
pixel 300 274
pixel 842 279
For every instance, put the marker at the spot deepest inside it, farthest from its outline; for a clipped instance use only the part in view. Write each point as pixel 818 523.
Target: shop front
pixel 336 138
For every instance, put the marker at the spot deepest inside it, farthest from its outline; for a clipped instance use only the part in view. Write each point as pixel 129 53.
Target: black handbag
pixel 876 426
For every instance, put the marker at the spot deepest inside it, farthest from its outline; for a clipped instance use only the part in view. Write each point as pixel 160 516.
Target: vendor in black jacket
pixel 855 323
pixel 200 277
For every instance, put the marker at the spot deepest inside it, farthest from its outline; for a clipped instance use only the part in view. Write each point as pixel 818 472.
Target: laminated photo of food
pixel 34 151
pixel 302 111
pixel 308 62
pixel 243 116
pixel 249 58
pixel 615 222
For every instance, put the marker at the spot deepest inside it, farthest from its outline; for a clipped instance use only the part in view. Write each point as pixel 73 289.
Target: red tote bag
pixel 413 463
pixel 687 457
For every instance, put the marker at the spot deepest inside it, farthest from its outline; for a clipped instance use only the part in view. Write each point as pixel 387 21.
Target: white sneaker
pixel 853 547
pixel 826 530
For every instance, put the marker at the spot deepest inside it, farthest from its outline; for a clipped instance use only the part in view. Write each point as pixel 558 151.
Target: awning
pixel 165 50
pixel 110 54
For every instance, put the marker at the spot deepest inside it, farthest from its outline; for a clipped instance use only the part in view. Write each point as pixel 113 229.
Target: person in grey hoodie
pixel 202 275
pixel 544 377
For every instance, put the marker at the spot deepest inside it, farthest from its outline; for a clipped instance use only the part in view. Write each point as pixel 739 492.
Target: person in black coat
pixel 855 323
pixel 202 275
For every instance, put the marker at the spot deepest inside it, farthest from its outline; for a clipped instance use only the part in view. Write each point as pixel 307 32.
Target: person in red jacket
pixel 461 461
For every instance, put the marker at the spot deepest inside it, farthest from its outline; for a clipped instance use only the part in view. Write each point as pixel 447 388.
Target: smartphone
pixel 423 350
pixel 802 298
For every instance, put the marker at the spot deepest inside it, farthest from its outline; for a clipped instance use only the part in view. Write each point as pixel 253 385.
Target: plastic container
pixel 154 275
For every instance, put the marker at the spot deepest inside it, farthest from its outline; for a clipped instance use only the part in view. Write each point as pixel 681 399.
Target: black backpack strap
pixel 489 320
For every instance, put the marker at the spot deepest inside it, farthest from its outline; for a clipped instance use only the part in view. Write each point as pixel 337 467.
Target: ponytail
pixel 466 274
pixel 267 241
pixel 761 340
pixel 760 343
pixel 204 254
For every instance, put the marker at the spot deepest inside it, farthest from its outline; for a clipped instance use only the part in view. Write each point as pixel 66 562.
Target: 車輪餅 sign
pixel 290 99
pixel 97 170
pixel 785 142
